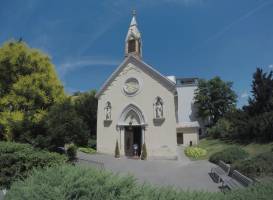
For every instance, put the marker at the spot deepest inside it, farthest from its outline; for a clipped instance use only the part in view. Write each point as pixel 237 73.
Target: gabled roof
pixel 144 67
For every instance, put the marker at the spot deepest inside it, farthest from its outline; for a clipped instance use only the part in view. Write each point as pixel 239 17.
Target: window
pixel 131 46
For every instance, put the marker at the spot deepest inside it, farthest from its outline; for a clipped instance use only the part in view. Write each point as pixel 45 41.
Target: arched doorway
pixel 132 121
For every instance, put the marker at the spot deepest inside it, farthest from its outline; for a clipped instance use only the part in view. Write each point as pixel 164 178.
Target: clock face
pixel 131 86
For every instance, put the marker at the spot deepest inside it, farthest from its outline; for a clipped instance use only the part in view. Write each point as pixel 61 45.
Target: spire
pixel 133 38
pixel 133 21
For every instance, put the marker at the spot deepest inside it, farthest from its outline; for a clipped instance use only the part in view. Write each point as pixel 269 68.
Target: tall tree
pixel 86 106
pixel 214 98
pixel 65 125
pixel 262 93
pixel 29 86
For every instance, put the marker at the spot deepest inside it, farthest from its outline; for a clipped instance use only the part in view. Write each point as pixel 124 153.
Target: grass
pixel 87 150
pixel 214 145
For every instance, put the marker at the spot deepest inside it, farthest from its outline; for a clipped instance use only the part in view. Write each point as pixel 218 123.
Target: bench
pixel 237 180
pixel 221 171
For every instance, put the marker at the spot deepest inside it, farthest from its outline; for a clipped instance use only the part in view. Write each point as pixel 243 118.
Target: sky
pixel 184 38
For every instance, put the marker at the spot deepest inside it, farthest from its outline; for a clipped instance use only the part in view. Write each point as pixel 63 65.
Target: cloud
pixel 237 21
pixel 244 95
pixel 270 66
pixel 70 65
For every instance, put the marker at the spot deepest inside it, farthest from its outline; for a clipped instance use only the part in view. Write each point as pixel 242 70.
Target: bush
pixel 92 142
pixel 221 129
pixel 117 153
pixel 79 182
pixel 71 151
pixel 87 150
pixel 229 155
pixel 260 165
pixel 144 152
pixel 17 160
pixel 195 152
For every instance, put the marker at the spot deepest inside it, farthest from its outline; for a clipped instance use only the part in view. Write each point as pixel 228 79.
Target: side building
pixel 189 127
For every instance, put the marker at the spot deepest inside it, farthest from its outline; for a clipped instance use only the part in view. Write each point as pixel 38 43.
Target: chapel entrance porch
pixel 132 141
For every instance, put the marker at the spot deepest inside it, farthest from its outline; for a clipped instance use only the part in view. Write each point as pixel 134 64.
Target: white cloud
pixel 70 65
pixel 270 66
pixel 237 21
pixel 244 95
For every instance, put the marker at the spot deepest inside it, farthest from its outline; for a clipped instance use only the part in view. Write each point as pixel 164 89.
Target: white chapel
pixel 137 105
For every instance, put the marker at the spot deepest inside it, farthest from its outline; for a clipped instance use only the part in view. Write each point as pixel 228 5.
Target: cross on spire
pixel 133 12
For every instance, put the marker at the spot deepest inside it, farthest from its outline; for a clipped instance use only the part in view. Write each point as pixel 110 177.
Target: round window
pixel 131 86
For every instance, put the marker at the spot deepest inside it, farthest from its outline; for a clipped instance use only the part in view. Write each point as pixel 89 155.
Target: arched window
pixel 131 46
pixel 158 108
pixel 108 110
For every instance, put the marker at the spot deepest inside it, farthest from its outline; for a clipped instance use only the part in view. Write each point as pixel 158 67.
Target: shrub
pixel 17 160
pixel 87 150
pixel 221 129
pixel 117 153
pixel 195 152
pixel 229 155
pixel 79 182
pixel 144 152
pixel 260 165
pixel 92 143
pixel 71 151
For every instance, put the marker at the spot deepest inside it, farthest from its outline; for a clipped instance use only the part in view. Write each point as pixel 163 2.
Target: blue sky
pixel 185 38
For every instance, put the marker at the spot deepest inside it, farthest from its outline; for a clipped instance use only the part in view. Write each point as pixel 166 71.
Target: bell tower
pixel 133 44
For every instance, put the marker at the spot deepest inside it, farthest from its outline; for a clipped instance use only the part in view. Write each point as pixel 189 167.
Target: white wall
pixel 186 109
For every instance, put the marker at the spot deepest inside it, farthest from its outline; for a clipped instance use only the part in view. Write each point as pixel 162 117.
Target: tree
pixel 254 121
pixel 117 153
pixel 214 98
pixel 86 106
pixel 262 93
pixel 64 125
pixel 29 86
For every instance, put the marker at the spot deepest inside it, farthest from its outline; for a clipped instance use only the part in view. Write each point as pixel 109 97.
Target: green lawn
pixel 214 145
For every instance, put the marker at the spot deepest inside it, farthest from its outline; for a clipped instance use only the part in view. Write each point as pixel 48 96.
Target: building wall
pixel 189 135
pixel 186 109
pixel 187 112
pixel 161 138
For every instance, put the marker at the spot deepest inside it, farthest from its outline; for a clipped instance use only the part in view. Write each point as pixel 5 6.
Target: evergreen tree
pixel 64 125
pixel 262 93
pixel 117 153
pixel 86 106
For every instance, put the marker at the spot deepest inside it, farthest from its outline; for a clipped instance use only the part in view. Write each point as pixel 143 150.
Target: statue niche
pixel 158 108
pixel 108 110
pixel 158 111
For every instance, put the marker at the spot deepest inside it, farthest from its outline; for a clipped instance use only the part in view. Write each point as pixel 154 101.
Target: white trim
pixel 142 65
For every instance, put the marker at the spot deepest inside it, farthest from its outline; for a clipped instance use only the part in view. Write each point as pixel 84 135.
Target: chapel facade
pixel 138 105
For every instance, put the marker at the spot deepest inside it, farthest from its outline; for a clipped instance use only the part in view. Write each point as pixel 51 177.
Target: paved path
pixel 192 175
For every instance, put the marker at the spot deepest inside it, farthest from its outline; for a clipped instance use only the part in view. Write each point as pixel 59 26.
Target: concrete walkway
pixel 182 173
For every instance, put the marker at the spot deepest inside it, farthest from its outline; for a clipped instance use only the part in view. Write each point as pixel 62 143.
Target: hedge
pixel 78 182
pixel 229 155
pixel 17 160
pixel 258 166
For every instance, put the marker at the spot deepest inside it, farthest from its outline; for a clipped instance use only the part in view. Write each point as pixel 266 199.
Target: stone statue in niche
pixel 108 111
pixel 158 108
